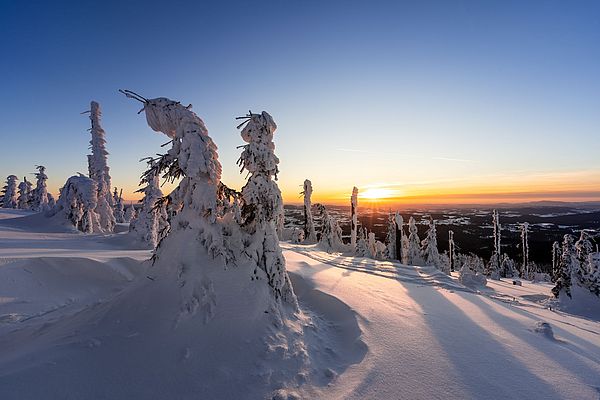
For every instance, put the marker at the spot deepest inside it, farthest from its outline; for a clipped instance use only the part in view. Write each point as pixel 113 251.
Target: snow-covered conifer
pixel 354 217
pixel 147 226
pixel 119 209
pixel 263 202
pixel 310 233
pixel 24 191
pixel 525 248
pixel 39 197
pixel 331 233
pixel 430 253
pixel 129 213
pixel 507 267
pixel 99 171
pixel 400 237
pixel 9 192
pixel 414 244
pixel 390 238
pixel 567 264
pixel 362 247
pixel 451 251
pixel 297 235
pixel 77 204
pixel 556 255
pixel 493 270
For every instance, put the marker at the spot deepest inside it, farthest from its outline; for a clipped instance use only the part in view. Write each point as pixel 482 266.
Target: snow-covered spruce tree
pixel 525 248
pixel 585 271
pixel 310 233
pixel 390 238
pixel 566 266
pixel 354 218
pixel 77 204
pixel 507 267
pixel 451 251
pixel 331 233
pixel 9 192
pixel 556 255
pixel 24 191
pixel 493 267
pixel 430 253
pixel 362 247
pixel 413 256
pixel 263 203
pixel 99 171
pixel 119 209
pixel 297 235
pixel 129 214
pixel 152 217
pixel 39 198
pixel 400 237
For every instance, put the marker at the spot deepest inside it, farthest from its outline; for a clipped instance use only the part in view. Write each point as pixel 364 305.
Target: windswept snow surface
pixel 81 317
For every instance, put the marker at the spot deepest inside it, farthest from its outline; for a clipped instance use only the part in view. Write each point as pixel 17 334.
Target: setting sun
pixel 376 194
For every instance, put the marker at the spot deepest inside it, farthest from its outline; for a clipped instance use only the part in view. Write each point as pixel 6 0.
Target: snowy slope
pixel 83 317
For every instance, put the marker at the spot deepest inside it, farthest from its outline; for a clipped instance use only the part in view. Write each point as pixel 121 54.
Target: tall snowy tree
pixel 263 202
pixel 567 264
pixel 430 252
pixel 585 264
pixel 507 267
pixel 556 255
pixel 493 270
pixel 40 196
pixel 362 247
pixel 152 219
pixel 129 213
pixel 354 217
pixel 390 239
pixel 119 209
pixel 310 233
pixel 400 237
pixel 451 251
pixel 331 233
pixel 413 256
pixel 24 192
pixel 525 249
pixel 9 192
pixel 99 171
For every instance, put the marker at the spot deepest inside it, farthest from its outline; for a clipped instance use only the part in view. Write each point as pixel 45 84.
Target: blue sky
pixel 415 97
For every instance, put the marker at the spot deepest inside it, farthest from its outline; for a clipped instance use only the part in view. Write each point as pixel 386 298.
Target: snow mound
pixel 153 339
pixel 545 329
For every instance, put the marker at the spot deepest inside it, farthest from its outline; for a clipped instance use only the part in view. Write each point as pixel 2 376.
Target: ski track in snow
pixel 386 330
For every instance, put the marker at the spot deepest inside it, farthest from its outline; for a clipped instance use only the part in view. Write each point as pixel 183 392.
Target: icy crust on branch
pixel 263 203
pixel 77 204
pixel 99 171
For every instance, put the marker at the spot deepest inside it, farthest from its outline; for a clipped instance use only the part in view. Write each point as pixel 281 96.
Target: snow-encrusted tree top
pixel 193 153
pixel 354 197
pixel 259 159
pixel 97 161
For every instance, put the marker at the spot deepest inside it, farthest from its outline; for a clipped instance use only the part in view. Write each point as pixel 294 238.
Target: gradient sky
pixel 449 101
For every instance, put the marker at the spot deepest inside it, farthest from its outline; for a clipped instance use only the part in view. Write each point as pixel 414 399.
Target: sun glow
pixel 376 194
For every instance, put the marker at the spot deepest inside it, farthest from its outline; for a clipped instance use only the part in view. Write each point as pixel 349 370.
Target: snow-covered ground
pixel 81 316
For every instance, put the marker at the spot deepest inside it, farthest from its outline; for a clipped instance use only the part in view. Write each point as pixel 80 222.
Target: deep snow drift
pixel 83 316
